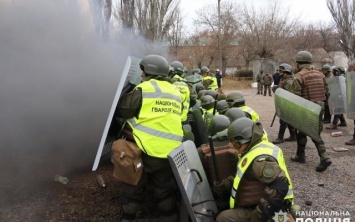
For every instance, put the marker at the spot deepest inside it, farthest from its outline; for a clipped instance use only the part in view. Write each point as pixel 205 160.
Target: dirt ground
pixel 35 196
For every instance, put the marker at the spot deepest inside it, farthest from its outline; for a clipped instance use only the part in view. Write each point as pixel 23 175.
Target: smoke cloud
pixel 57 84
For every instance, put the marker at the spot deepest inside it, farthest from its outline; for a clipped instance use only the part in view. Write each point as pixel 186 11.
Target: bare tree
pixel 175 34
pixel 343 13
pixel 101 11
pixel 263 32
pixel 151 19
pixel 228 24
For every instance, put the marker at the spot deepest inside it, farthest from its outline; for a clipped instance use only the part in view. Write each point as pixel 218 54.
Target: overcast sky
pixel 312 11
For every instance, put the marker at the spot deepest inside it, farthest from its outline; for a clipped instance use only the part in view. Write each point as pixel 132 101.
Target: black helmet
pixel 178 67
pixel 304 57
pixel 234 114
pixel 222 106
pixel 235 97
pixel 207 102
pixel 241 130
pixel 204 69
pixel 155 65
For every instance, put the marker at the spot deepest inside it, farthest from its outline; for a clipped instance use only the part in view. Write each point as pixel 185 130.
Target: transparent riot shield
pixel 337 95
pixel 350 94
pixel 192 182
pixel 131 76
pixel 298 112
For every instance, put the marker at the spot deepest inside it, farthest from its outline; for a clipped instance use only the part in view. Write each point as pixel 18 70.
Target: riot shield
pixel 131 76
pixel 337 95
pixel 350 94
pixel 192 181
pixel 298 112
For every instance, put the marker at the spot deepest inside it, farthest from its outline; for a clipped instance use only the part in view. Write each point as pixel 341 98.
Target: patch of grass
pixel 236 83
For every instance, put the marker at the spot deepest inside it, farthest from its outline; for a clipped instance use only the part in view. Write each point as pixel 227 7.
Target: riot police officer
pixel 262 185
pixel 155 120
pixel 310 84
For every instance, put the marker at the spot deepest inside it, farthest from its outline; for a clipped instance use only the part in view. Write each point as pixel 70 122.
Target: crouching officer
pixel 262 185
pixel 153 112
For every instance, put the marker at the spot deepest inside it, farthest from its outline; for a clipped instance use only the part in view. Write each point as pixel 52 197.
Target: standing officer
pixel 327 116
pixel 286 79
pixel 267 81
pixel 259 83
pixel 338 71
pixel 262 185
pixel 156 125
pixel 310 84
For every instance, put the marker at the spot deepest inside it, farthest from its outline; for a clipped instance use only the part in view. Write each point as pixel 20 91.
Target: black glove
pixel 223 187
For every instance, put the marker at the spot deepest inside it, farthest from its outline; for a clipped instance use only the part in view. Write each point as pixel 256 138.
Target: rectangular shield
pixel 131 76
pixel 337 95
pixel 298 112
pixel 350 94
pixel 192 181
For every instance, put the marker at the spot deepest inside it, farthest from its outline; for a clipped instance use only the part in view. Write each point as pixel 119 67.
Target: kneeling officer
pixel 262 185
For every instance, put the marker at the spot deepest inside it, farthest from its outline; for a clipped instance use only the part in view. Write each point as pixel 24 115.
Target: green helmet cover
pixel 304 57
pixel 241 130
pixel 155 65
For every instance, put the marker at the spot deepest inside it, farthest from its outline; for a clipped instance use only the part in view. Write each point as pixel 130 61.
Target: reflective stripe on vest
pixel 185 92
pixel 158 128
pixel 254 115
pixel 214 84
pixel 263 148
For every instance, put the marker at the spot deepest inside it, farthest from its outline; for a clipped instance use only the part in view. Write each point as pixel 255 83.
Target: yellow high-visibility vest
pixel 263 148
pixel 254 115
pixel 185 92
pixel 158 129
pixel 214 84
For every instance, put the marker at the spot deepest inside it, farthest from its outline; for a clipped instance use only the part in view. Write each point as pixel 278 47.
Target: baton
pixel 215 165
pixel 273 120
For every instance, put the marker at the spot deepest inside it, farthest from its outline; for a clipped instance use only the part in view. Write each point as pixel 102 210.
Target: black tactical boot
pixel 291 138
pixel 278 140
pixel 343 124
pixel 351 142
pixel 323 165
pixel 299 158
